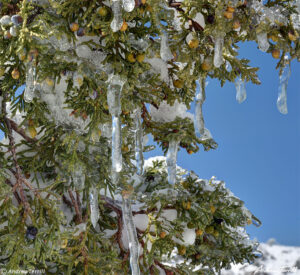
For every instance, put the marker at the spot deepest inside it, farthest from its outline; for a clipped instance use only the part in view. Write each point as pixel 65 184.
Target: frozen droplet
pixel 117 21
pixel 218 55
pixel 83 51
pixel 171 161
pixel 241 93
pixel 228 66
pixel 131 236
pixel 116 145
pixel 262 40
pixel 198 118
pixel 282 89
pixel 13 31
pixel 30 82
pixel 94 206
pixel 165 52
pixel 139 157
pixel 128 5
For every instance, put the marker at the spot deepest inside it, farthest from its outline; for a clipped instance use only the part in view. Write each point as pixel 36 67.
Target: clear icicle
pixel 171 161
pixel 128 5
pixel 78 177
pixel 131 235
pixel 30 82
pixel 241 93
pixel 116 145
pixel 262 40
pixel 94 207
pixel 117 21
pixel 218 56
pixel 198 119
pixel 165 52
pixel 114 104
pixel 282 90
pixel 139 157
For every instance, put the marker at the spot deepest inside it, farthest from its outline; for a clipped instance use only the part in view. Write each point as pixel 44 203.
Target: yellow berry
pixel 205 66
pixel 274 37
pixel 64 243
pixel 163 234
pixel 216 234
pixel 178 83
pixel 15 74
pixel 212 209
pixel 79 81
pixel 74 27
pixel 140 58
pixel 102 11
pixel 32 131
pixel 236 24
pixel 193 43
pixel 125 149
pixel 131 58
pixel 185 184
pixel 228 15
pixel 187 205
pixel 249 221
pixel 199 232
pixel 143 2
pixel 230 9
pixel 149 8
pixel 190 152
pixel 292 36
pixel 182 250
pixel 276 53
pixel 124 27
pixel 49 82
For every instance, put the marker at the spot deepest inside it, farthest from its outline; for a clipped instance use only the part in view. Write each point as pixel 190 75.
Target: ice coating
pixel 116 146
pixel 171 161
pixel 262 40
pixel 241 93
pixel 139 157
pixel 198 118
pixel 282 89
pixel 218 56
pixel 94 206
pixel 114 94
pixel 165 52
pixel 128 5
pixel 30 82
pixel 117 21
pixel 131 235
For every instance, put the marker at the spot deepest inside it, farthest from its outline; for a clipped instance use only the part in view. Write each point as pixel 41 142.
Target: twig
pixel 8 182
pixel 21 131
pixel 76 206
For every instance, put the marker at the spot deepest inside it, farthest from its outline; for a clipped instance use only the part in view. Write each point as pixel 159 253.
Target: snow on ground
pixel 276 260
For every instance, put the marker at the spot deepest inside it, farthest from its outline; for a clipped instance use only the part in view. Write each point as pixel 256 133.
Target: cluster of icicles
pixel 114 94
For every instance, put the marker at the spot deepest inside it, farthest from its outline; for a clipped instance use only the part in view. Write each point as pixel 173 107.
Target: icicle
pixel 218 56
pixel 117 22
pixel 241 93
pixel 171 161
pixel 128 5
pixel 139 157
pixel 94 207
pixel 78 177
pixel 30 82
pixel 263 43
pixel 131 235
pixel 198 118
pixel 114 104
pixel 116 145
pixel 282 90
pixel 165 52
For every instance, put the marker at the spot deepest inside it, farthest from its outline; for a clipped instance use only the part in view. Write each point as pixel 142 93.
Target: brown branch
pixel 76 206
pixel 66 201
pixel 8 182
pixel 164 268
pixel 21 131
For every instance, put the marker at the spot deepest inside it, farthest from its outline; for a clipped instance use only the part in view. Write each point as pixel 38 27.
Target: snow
pixel 168 113
pixel 275 260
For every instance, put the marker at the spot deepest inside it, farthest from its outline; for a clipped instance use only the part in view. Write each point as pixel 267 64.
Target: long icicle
pixel 198 119
pixel 114 104
pixel 94 206
pixel 171 161
pixel 282 89
pixel 131 235
pixel 218 55
pixel 165 52
pixel 117 21
pixel 139 157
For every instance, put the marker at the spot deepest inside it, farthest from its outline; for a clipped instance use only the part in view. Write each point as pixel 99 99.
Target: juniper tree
pixel 76 195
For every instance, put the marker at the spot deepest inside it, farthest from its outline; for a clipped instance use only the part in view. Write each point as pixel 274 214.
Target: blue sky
pixel 259 152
